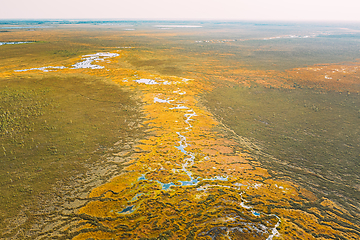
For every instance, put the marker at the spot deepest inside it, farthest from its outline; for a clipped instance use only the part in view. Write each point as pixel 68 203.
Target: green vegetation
pixel 54 125
pixel 313 134
pixel 49 127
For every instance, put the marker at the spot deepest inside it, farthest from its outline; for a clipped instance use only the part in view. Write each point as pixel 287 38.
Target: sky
pixel 288 10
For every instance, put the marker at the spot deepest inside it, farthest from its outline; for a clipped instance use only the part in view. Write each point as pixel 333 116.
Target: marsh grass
pixel 50 126
pixel 313 133
pixel 52 123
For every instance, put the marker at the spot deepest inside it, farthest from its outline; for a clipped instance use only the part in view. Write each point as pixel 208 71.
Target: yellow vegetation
pixel 190 181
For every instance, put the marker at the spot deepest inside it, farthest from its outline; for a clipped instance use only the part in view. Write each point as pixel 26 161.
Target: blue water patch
pixel 181 148
pixel 256 213
pixel 166 186
pixel 188 183
pixel 13 43
pixel 220 178
pixel 25 27
pixel 146 81
pixel 142 177
pixel 128 209
pixel 136 197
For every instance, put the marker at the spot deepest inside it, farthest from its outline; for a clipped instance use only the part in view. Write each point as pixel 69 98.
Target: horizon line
pixel 181 19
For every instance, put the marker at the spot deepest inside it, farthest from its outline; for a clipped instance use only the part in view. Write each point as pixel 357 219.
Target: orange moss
pixel 226 173
pixel 336 77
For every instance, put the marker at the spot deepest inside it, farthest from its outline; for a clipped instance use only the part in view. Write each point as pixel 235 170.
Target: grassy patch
pixel 50 126
pixel 313 133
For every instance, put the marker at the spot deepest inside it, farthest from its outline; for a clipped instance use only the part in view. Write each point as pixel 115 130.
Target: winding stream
pixel 201 179
pixel 188 161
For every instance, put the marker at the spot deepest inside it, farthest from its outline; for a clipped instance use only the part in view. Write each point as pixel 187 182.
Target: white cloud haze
pixel 303 10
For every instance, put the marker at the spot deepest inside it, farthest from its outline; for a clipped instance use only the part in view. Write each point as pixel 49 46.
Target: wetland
pixel 179 130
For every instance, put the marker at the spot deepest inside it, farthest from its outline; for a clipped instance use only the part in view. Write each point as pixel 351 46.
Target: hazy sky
pixel 343 10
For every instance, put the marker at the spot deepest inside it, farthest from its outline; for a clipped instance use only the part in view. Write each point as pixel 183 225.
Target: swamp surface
pixel 235 130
